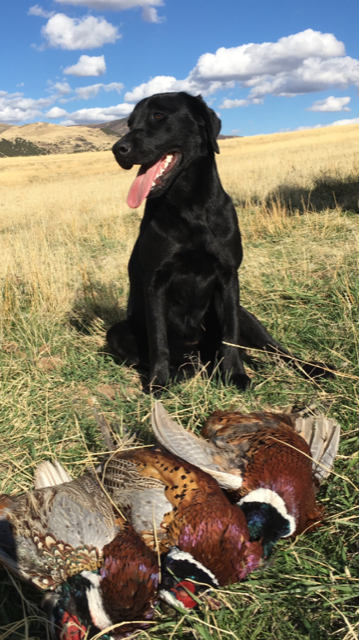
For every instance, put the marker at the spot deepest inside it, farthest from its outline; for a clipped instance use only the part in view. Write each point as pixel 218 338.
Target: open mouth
pixel 150 179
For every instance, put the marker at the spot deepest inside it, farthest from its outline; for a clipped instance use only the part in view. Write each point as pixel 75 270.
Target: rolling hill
pixel 42 138
pixel 116 127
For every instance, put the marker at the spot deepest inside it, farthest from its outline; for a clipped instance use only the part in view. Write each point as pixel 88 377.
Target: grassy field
pixel 65 239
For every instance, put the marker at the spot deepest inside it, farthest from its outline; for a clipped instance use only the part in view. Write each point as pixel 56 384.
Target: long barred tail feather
pixel 322 435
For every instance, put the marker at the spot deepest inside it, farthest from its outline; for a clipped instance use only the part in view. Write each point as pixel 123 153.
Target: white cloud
pixel 149 13
pixel 330 104
pixel 336 123
pixel 78 33
pixel 301 63
pixel 62 91
pixel 159 84
pixel 251 61
pixel 98 114
pixel 305 127
pixel 304 62
pixel 84 93
pixel 14 115
pixel 311 76
pixel 36 10
pixel 112 5
pixel 163 84
pixel 88 66
pixel 56 112
pixel 60 88
pixel 15 109
pixel 113 86
pixel 231 104
pixel 344 122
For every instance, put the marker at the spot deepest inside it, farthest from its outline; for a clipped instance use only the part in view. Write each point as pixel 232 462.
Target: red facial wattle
pixel 181 594
pixel 70 628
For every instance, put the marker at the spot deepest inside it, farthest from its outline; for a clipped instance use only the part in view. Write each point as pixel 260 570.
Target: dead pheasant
pixel 66 539
pixel 272 463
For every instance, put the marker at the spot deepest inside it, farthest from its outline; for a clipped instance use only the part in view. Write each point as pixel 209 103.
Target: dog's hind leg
pixel 123 343
pixel 255 336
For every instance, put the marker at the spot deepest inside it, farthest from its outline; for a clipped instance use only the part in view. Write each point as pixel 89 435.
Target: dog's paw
pixel 154 389
pixel 241 380
pixel 157 382
pixel 318 370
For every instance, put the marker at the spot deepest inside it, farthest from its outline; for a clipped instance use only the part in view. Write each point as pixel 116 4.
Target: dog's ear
pixel 211 121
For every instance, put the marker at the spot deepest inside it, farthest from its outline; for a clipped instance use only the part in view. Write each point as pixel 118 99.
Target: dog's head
pixel 168 131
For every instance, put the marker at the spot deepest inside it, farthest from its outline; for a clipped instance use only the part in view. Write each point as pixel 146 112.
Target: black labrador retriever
pixel 184 290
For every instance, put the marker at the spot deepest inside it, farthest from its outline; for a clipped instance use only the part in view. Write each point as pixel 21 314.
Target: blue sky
pixel 264 66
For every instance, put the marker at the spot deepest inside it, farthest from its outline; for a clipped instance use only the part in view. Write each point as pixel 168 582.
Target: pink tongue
pixel 142 184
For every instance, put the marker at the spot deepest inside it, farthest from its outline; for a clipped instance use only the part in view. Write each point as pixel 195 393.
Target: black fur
pixel 184 290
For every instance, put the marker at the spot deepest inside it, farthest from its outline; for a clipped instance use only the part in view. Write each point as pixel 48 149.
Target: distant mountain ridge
pixel 224 137
pixel 44 138
pixel 4 126
pixel 119 127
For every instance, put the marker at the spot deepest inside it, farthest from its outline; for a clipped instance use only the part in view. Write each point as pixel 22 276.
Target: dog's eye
pixel 158 115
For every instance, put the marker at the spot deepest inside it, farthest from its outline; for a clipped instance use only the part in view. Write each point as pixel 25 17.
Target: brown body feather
pixel 271 455
pixel 200 519
pixel 129 577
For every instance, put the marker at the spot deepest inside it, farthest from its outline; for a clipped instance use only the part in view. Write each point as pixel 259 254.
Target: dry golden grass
pixel 258 165
pixel 56 168
pixel 54 209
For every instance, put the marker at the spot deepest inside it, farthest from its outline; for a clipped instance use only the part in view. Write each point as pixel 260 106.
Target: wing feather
pixel 189 447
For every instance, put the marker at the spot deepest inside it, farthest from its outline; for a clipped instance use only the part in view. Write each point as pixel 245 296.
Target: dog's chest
pixel 192 284
pixel 193 275
pixel 194 263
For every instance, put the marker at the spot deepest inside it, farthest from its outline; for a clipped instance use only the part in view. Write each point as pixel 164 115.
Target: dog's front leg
pixel 156 319
pixel 230 356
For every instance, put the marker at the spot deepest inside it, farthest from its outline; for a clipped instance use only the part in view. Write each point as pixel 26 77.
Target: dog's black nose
pixel 122 148
pixel 121 151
